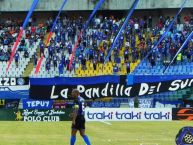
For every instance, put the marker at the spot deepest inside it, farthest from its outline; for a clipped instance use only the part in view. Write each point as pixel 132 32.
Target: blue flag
pixel 61 8
pixel 35 2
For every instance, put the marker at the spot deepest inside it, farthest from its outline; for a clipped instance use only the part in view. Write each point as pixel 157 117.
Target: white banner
pixel 128 114
pixel 143 103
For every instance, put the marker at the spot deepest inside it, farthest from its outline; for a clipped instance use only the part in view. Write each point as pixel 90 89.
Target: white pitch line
pixel 106 122
pixel 149 144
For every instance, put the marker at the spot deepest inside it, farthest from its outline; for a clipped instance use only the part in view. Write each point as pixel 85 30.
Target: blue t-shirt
pixel 69 46
pixel 41 45
pixel 126 52
pixel 80 57
pixel 6 41
pixel 96 56
pixel 115 69
pixel 101 54
pixel 55 58
pixel 115 27
pixel 61 68
pixel 91 51
pixel 128 65
pixel 104 37
pixel 17 56
pixel 81 105
pixel 81 48
pixel 48 66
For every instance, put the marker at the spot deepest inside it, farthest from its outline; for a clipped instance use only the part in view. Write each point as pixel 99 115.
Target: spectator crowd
pixel 135 42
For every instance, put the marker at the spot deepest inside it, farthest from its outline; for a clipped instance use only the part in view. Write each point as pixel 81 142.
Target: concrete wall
pixel 42 16
pixel 54 5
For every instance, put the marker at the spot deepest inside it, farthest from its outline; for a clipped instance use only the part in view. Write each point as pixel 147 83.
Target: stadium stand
pixel 128 56
pixel 133 46
pixel 27 47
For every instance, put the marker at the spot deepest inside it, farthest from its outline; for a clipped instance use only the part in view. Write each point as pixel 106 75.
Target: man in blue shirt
pixel 61 68
pixel 128 66
pixel 69 48
pixel 78 120
pixel 115 69
pixel 126 54
pixel 51 50
pixel 102 57
pixel 91 54
pixel 55 61
pixel 41 48
pixel 48 66
pixel 17 59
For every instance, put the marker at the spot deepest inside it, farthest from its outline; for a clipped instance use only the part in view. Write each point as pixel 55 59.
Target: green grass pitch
pixel 114 133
